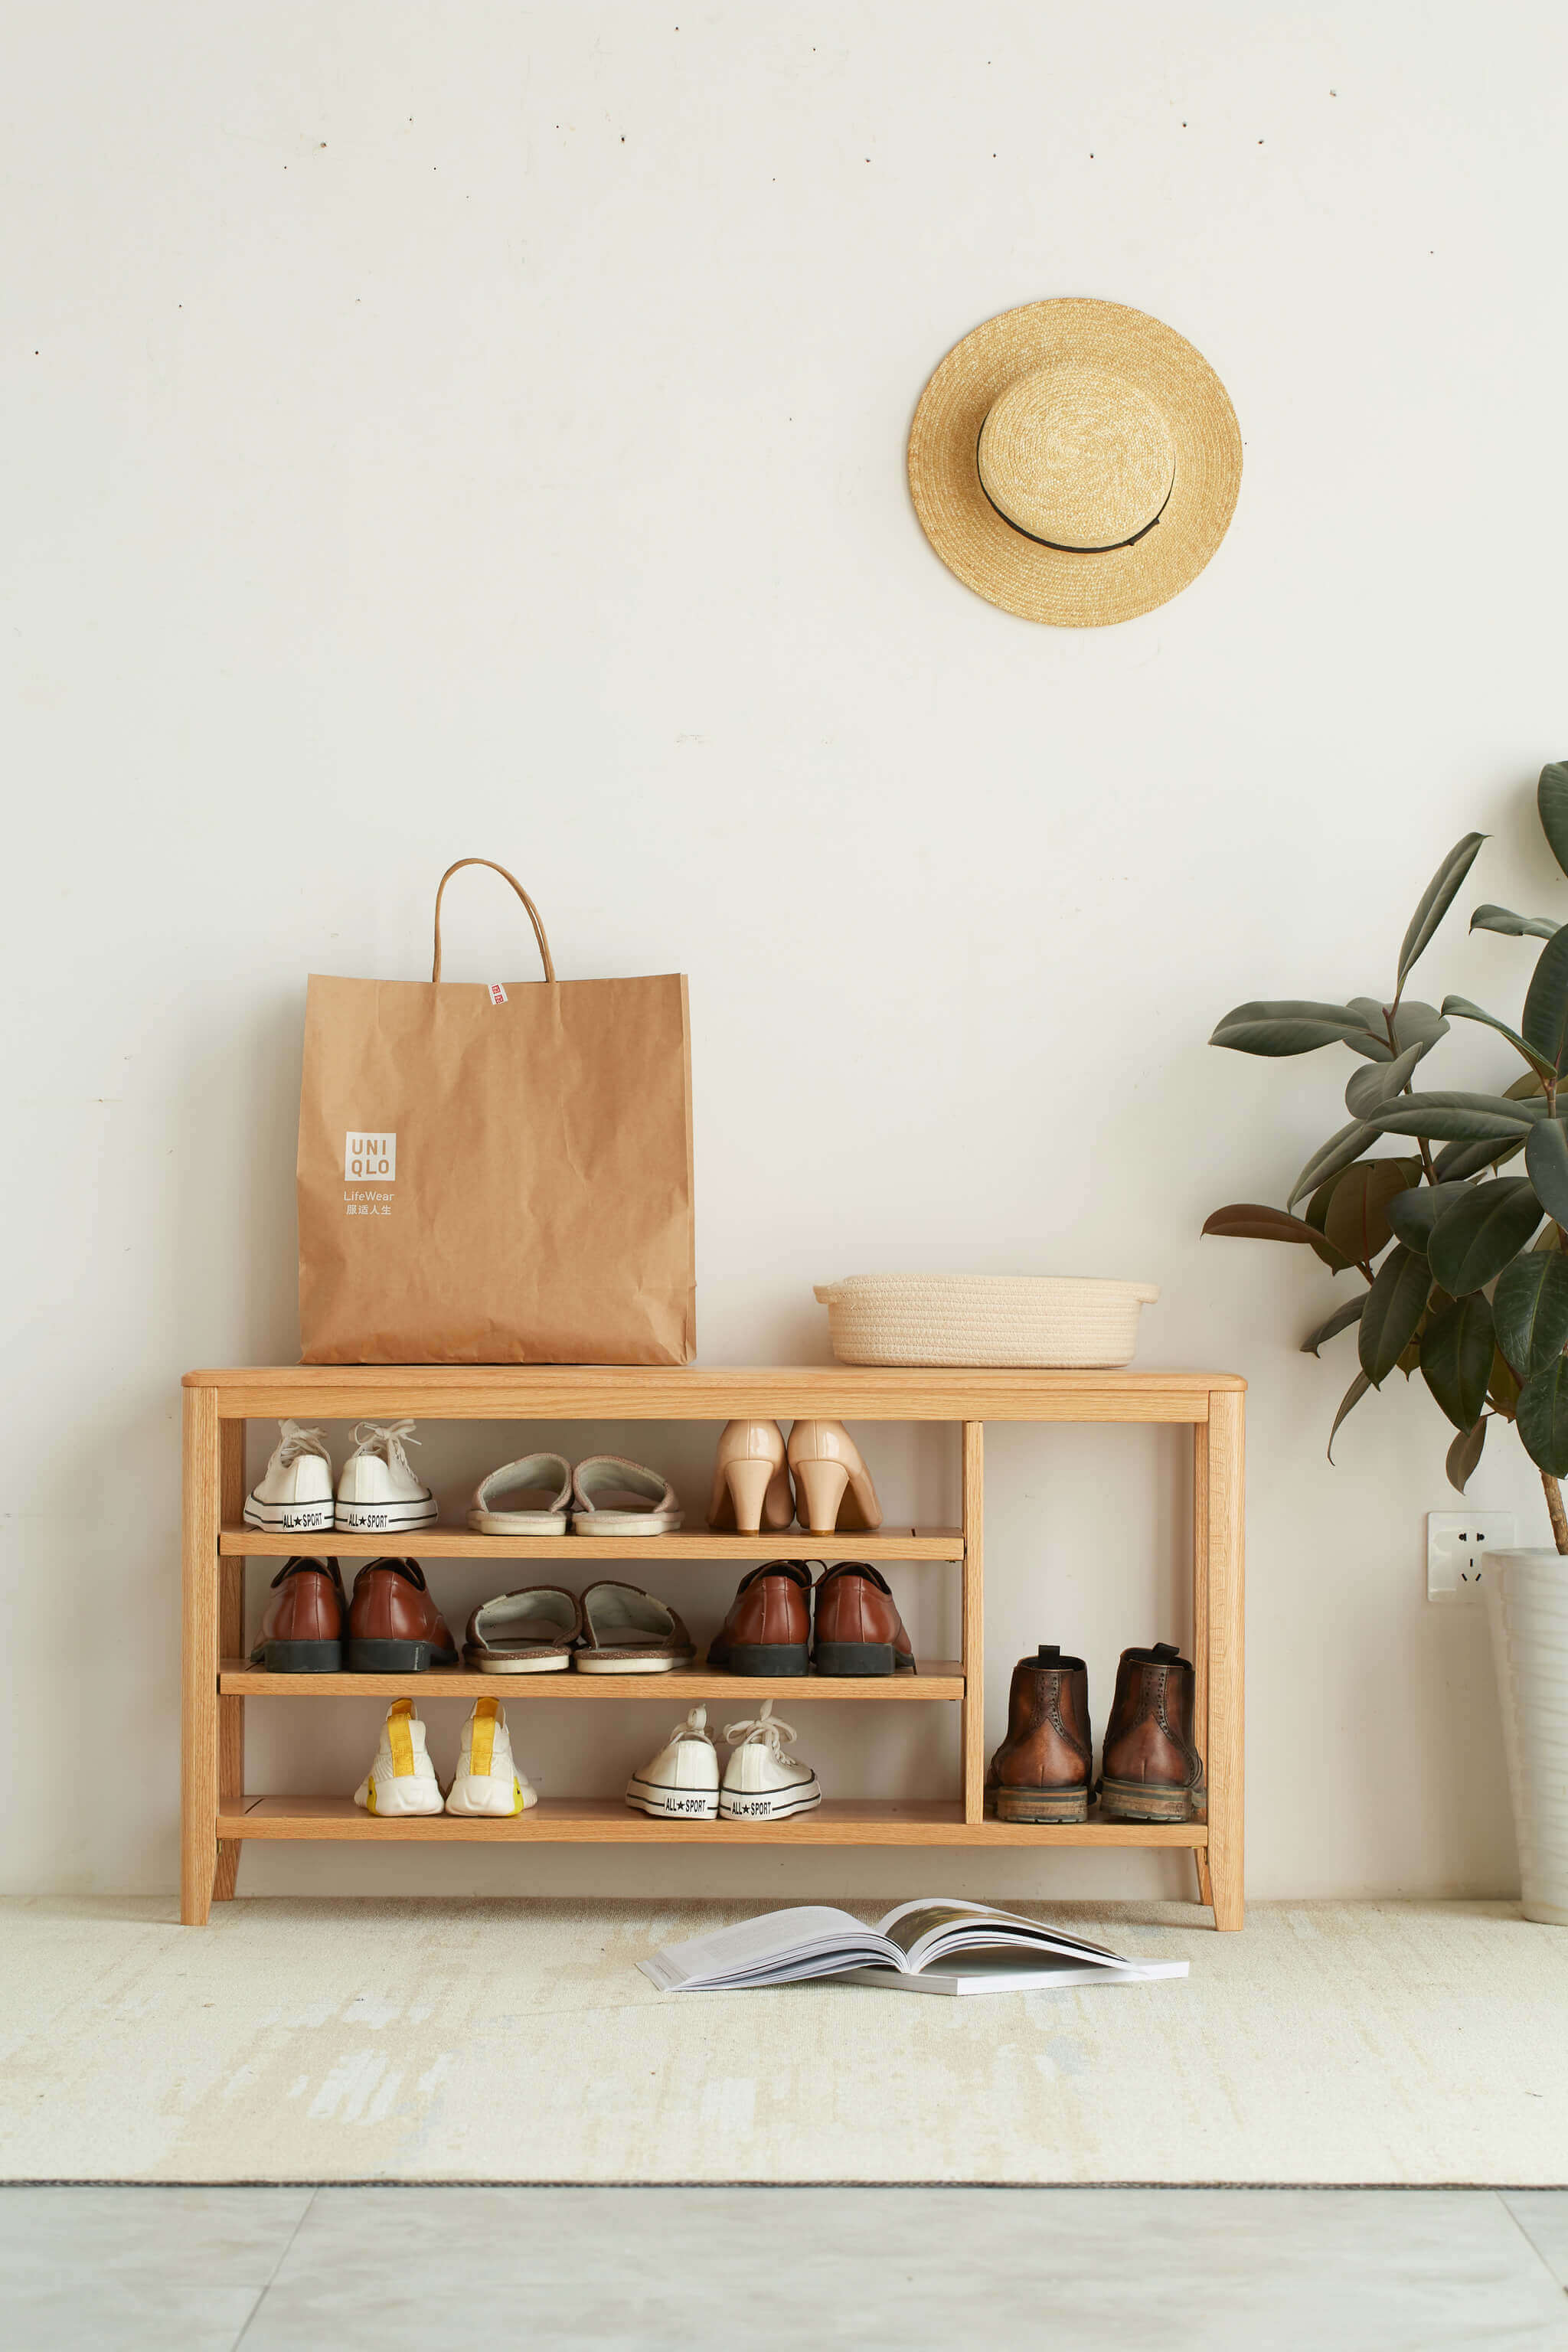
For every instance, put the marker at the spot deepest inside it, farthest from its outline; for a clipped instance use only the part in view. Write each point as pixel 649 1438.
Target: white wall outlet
pixel 1457 1543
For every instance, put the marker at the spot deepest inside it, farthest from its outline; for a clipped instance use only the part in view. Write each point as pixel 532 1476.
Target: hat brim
pixel 1057 586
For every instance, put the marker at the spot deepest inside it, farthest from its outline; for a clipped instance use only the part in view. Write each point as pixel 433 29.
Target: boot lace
pixel 295 1441
pixel 764 1730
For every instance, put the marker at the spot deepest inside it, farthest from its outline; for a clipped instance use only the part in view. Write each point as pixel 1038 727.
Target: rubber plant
pixel 1463 1268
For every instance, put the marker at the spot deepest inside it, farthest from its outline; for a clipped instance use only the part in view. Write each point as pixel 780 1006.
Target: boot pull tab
pixel 1163 1650
pixel 1049 1652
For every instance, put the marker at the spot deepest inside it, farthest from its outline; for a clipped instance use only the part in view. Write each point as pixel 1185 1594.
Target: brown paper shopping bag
pixel 496 1174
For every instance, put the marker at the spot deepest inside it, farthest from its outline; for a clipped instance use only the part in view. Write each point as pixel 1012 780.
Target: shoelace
pixel 380 1436
pixel 296 1441
pixel 766 1730
pixel 694 1727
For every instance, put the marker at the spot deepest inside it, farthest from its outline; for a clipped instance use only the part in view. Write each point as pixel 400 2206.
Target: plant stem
pixel 1421 1143
pixel 1559 1517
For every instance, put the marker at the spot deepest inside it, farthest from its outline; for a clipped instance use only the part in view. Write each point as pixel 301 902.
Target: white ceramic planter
pixel 1527 1602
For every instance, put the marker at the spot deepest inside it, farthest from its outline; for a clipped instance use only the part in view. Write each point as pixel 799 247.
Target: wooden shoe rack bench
pixel 218 1815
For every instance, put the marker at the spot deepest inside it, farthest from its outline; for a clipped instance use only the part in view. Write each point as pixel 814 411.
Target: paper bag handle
pixel 533 911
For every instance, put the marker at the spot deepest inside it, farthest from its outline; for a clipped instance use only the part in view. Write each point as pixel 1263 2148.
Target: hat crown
pixel 1077 456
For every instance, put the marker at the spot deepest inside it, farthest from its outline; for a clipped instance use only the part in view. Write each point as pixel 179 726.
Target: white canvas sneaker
pixel 681 1782
pixel 295 1491
pixel 761 1782
pixel 401 1779
pixel 377 1491
pixel 488 1781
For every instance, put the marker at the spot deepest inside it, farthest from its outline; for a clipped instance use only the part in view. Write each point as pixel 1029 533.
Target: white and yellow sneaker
pixel 488 1781
pixel 401 1779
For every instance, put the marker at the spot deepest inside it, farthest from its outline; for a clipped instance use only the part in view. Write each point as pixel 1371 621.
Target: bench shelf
pixel 218 1816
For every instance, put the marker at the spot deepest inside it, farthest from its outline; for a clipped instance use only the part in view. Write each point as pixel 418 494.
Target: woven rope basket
pixel 1042 1321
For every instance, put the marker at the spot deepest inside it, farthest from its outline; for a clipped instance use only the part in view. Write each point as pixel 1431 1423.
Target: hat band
pixel 1060 546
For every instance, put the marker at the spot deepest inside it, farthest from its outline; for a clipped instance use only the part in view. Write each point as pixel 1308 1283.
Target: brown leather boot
pixel 302 1624
pixel 858 1628
pixel 1151 1770
pixel 1041 1771
pixel 394 1627
pixel 768 1630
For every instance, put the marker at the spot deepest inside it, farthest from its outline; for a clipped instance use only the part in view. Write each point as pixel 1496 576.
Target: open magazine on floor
pixel 935 1944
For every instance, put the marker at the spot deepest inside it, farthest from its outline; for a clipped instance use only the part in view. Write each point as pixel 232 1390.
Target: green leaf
pixel 1543 1418
pixel 1456 1118
pixel 1456 1357
pixel 1379 1081
pixel 1413 1024
pixel 1473 1237
pixel 1545 1017
pixel 1457 1161
pixel 1337 1154
pixel 1511 926
pixel 1352 1398
pixel 1437 899
pixel 1546 1157
pixel 1460 1160
pixel 1463 1010
pixel 1412 1214
pixel 1395 1306
pixel 1291 1026
pixel 1256 1221
pixel 1354 1216
pixel 1530 1308
pixel 1552 802
pixel 1502 1388
pixel 1463 1454
pixel 1339 1320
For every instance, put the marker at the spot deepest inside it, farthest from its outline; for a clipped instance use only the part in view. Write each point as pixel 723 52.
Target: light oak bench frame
pixel 218 1815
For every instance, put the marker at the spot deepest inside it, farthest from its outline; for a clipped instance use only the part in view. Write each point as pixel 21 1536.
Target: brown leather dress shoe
pixel 858 1628
pixel 394 1627
pixel 1151 1770
pixel 768 1630
pixel 302 1625
pixel 1041 1771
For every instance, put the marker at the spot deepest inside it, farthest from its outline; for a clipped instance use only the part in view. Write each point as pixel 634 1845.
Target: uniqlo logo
pixel 370 1158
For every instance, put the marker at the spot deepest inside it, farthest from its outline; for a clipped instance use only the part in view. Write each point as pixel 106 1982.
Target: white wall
pixel 480 428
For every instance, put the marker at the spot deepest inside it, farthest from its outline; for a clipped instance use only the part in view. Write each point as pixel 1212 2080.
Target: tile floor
pixel 1243 2269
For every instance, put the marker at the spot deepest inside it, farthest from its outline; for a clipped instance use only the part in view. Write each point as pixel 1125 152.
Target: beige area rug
pixel 473 2041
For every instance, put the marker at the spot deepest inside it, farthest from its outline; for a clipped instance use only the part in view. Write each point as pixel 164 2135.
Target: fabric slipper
pixel 530 1498
pixel 627 1632
pixel 534 1631
pixel 644 1503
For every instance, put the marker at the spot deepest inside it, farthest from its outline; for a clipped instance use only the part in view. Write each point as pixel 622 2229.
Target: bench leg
pixel 1225 1484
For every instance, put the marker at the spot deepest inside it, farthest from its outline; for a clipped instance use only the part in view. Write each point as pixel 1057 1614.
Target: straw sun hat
pixel 1075 462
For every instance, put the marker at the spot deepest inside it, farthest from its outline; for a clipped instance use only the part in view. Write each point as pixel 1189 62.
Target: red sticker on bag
pixel 498 993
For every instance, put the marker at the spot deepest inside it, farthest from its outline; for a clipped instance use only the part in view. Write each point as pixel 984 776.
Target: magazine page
pixel 940 1924
pixel 811 1939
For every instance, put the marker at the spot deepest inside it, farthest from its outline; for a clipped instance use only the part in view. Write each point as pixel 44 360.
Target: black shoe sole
pixel 861 1658
pixel 763 1658
pixel 298 1657
pixel 396 1657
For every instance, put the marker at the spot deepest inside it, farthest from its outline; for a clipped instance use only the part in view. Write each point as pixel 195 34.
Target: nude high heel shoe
pixel 832 1484
pixel 751 1484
